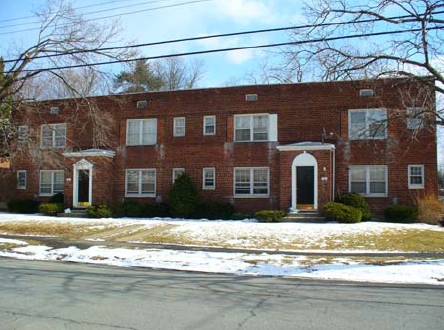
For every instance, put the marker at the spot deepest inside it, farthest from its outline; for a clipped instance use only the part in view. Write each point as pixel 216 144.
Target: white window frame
pixel 251 127
pixel 177 172
pixel 415 118
pixel 205 125
pixel 365 134
pixel 140 123
pixel 139 183
pixel 22 133
pixel 179 126
pixel 54 130
pixel 52 183
pixel 251 178
pixel 415 185
pixel 204 183
pixel 368 181
pixel 19 185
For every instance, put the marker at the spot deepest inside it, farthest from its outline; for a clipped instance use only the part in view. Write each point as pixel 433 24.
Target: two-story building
pixel 288 146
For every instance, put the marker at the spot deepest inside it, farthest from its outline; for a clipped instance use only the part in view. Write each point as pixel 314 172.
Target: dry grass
pixel 51 229
pixel 430 209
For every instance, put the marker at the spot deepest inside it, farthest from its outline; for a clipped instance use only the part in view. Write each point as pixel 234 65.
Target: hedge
pixel 341 213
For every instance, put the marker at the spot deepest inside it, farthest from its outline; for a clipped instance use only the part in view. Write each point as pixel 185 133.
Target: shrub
pixel 242 215
pixel 183 198
pixel 23 206
pixel 58 198
pixel 99 211
pixel 357 201
pixel 341 213
pixel 133 209
pixel 215 210
pixel 269 216
pixel 430 210
pixel 400 214
pixel 152 210
pixel 51 208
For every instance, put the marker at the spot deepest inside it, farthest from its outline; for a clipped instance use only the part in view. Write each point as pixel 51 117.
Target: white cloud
pixel 240 56
pixel 245 11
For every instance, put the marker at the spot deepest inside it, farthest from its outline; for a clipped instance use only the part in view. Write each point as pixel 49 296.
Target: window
pixel 51 182
pixel 53 136
pixel 416 176
pixel 22 133
pixel 209 178
pixel 415 118
pixel 179 126
pixel 177 172
pixel 251 182
pixel 250 128
pixel 209 125
pixel 367 124
pixel 141 132
pixel 140 183
pixel 368 180
pixel 21 179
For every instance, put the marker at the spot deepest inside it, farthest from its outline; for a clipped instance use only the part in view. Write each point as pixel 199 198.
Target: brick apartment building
pixel 259 147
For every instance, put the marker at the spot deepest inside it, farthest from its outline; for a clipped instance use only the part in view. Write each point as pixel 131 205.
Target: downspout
pixel 333 176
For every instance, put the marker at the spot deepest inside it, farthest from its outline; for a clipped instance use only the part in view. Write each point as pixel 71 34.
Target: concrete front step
pixel 304 216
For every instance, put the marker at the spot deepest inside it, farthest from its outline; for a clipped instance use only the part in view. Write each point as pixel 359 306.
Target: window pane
pixel 208 178
pixel 242 122
pixel 377 173
pixel 358 173
pixel 358 187
pixel 149 134
pixel 416 179
pixel 179 126
pixel 132 188
pixel 415 170
pixel 242 181
pixel 242 135
pixel 132 182
pixel 46 136
pixel 148 188
pixel 357 117
pixel 58 178
pixel 260 128
pixel 133 134
pixel 377 187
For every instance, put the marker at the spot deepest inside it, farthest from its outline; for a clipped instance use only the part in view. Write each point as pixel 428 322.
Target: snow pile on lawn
pixel 425 272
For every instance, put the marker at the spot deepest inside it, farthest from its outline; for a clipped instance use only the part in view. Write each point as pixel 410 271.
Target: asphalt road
pixel 50 295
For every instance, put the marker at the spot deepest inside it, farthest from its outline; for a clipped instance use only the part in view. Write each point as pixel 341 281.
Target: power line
pixel 93 12
pixel 87 6
pixel 118 15
pixel 218 50
pixel 212 36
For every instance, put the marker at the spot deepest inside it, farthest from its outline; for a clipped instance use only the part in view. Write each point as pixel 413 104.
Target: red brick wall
pixel 305 113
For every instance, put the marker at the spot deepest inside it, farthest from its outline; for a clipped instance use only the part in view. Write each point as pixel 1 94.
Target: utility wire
pixel 88 6
pixel 117 15
pixel 218 50
pixel 93 12
pixel 211 37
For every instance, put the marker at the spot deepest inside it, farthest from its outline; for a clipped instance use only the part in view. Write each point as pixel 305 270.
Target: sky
pixel 146 21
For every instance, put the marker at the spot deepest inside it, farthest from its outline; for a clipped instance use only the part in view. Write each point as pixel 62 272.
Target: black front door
pixel 83 186
pixel 305 185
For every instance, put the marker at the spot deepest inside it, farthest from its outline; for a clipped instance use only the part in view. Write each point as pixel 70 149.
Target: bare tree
pixel 351 39
pixel 64 38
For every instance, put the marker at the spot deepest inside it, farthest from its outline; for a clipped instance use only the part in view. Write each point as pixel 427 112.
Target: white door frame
pixel 304 159
pixel 81 165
